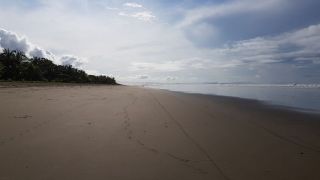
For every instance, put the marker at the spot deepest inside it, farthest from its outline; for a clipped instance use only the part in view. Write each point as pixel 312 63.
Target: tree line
pixel 16 66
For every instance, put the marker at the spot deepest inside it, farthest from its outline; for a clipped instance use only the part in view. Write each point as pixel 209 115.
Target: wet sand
pixel 130 133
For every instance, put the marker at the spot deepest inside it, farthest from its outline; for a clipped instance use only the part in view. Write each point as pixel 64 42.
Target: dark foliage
pixel 16 66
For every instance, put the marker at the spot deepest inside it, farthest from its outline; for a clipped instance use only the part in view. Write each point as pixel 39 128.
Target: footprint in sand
pixel 22 117
pixel 153 150
pixel 129 135
pixel 140 143
pixel 178 158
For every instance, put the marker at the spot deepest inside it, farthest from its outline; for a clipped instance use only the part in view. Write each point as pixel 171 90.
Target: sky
pixel 171 41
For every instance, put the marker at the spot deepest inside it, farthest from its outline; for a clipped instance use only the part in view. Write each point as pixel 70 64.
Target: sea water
pixel 303 97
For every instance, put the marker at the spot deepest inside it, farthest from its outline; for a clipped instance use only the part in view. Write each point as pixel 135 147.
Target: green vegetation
pixel 16 66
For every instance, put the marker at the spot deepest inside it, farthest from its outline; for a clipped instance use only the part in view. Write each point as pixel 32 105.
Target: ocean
pixel 302 97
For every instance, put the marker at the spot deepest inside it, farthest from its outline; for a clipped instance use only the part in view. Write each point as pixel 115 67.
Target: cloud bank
pixel 293 53
pixel 12 41
pixel 237 20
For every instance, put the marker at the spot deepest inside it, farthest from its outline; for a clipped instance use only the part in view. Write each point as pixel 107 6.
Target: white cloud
pixel 9 40
pixel 123 14
pixel 170 66
pixel 143 15
pixel 133 5
pixel 39 52
pixel 300 45
pixel 92 72
pixel 72 60
pixel 12 41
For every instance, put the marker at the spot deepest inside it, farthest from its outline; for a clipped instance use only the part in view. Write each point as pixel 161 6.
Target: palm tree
pixel 15 65
pixel 1 70
pixel 6 59
pixel 7 53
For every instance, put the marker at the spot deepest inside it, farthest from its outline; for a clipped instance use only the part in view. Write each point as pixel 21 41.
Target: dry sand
pixel 130 133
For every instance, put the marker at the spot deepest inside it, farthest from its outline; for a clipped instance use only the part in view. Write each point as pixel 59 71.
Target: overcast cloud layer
pixel 274 41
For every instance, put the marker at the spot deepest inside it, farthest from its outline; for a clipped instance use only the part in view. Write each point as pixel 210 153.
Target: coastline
pixel 126 132
pixel 256 102
pixel 302 98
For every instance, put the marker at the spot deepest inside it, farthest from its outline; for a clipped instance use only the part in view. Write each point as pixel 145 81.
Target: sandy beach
pixel 97 132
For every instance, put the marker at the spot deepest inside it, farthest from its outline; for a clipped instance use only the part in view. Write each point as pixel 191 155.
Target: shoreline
pixel 266 104
pixel 276 105
pixel 263 104
pixel 257 102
